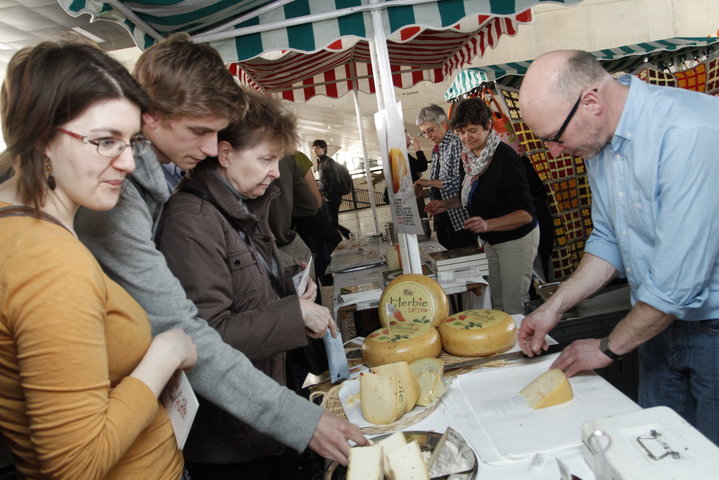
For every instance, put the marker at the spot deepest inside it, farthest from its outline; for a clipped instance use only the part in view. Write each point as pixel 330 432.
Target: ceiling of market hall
pixel 591 25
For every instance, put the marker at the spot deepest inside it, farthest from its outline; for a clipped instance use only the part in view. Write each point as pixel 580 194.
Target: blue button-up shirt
pixel 655 199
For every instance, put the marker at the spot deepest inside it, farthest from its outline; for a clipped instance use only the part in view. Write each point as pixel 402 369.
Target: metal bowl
pixel 426 440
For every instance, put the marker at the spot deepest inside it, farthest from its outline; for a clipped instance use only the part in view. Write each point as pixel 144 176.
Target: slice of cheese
pixel 382 399
pixel 478 333
pixel 550 388
pixel 402 371
pixel 365 463
pixel 429 373
pixel 403 342
pixel 407 463
pixel 389 445
pixel 413 298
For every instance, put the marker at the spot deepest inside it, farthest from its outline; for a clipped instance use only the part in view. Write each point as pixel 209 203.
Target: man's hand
pixel 581 355
pixel 534 327
pixel 331 437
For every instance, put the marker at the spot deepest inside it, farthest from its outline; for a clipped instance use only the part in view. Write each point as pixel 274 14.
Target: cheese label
pixel 475 319
pixel 413 298
pixel 399 332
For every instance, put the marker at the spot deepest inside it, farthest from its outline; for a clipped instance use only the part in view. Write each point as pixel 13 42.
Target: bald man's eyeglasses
pixel 558 137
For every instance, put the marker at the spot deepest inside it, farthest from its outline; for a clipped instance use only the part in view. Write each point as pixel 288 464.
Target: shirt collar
pixel 629 120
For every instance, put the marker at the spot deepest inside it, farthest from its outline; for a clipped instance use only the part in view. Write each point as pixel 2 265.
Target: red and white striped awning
pixel 416 54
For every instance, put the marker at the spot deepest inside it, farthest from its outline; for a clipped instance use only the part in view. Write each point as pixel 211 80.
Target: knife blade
pixel 557 347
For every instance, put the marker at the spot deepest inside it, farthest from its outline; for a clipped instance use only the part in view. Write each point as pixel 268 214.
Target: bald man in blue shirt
pixel 652 159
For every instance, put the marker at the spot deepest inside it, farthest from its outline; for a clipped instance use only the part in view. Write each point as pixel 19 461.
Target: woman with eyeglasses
pixel 80 373
pixel 501 211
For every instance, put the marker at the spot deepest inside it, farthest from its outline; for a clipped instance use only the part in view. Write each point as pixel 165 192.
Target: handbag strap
pixel 23 211
pixel 277 286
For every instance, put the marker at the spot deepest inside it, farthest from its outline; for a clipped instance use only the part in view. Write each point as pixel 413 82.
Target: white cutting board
pixel 504 429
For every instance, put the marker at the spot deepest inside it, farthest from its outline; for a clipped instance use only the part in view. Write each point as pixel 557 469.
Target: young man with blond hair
pixel 193 97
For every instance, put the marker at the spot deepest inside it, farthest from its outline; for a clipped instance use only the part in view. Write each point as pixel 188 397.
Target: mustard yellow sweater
pixel 69 338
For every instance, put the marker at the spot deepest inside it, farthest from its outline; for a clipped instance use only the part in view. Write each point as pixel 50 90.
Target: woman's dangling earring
pixel 50 179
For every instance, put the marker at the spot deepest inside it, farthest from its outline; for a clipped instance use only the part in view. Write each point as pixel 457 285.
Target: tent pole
pixel 368 173
pixel 408 246
pixel 132 16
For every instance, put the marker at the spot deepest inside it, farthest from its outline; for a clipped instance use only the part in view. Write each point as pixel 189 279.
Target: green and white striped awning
pixel 662 53
pixel 244 29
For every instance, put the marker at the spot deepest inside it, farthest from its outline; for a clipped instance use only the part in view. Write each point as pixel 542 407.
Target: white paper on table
pixel 181 403
pixel 517 432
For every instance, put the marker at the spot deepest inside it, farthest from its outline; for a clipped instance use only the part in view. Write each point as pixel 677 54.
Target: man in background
pixel 330 185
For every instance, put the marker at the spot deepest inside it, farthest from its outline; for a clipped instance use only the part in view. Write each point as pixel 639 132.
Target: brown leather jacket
pixel 234 294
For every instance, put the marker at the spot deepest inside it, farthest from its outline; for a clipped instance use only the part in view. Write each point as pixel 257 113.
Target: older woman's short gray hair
pixel 431 113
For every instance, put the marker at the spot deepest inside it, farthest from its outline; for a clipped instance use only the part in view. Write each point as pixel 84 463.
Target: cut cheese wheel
pixel 550 388
pixel 402 371
pixel 429 373
pixel 389 445
pixel 413 298
pixel 365 463
pixel 477 333
pixel 407 463
pixel 382 399
pixel 403 342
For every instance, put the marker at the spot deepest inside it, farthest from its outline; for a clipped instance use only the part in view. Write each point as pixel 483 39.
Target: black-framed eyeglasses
pixel 427 132
pixel 112 147
pixel 558 137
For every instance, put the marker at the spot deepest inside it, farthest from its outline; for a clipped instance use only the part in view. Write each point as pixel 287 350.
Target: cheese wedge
pixel 407 463
pixel 550 388
pixel 404 342
pixel 365 463
pixel 478 333
pixel 413 298
pixel 382 399
pixel 389 445
pixel 429 373
pixel 402 371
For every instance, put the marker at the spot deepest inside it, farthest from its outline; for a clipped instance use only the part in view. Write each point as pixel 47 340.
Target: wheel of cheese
pixel 478 333
pixel 413 298
pixel 550 388
pixel 402 342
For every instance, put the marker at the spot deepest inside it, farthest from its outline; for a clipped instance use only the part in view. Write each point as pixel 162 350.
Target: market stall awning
pixel 663 53
pixel 415 55
pixel 243 29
